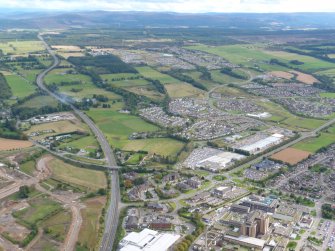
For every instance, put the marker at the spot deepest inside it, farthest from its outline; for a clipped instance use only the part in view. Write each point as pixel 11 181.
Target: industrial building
pixel 148 240
pixel 263 144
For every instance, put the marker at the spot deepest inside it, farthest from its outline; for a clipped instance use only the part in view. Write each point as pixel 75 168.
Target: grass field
pixel 328 94
pixel 330 72
pixel 310 63
pixel 40 101
pixel 305 123
pixel 148 91
pixel 223 78
pixel 39 208
pixel 58 225
pixel 30 75
pixel 314 144
pixel 196 76
pixel 19 86
pixel 59 75
pixel 85 89
pixel 183 90
pixel 130 83
pixel 250 54
pixel 161 146
pixel 118 126
pixel 89 231
pixel 87 143
pixel 149 72
pixel 28 167
pixel 90 179
pixel 21 47
pixel 110 77
pixel 59 127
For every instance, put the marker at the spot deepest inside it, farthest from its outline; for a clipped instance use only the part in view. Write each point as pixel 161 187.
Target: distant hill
pixel 38 19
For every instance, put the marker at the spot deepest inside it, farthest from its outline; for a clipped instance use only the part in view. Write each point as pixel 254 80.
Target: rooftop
pixel 148 240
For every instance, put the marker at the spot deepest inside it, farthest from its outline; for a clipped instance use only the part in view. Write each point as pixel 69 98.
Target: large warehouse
pixel 263 144
pixel 148 240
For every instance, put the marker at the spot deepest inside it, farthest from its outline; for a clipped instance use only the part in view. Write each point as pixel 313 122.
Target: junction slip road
pixel 112 216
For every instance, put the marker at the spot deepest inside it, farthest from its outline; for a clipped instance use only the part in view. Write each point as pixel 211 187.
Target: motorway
pixel 112 216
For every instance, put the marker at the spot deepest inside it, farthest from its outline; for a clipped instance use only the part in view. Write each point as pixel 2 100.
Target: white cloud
pixel 191 6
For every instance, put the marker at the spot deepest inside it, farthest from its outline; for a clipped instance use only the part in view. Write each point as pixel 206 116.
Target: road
pixel 112 216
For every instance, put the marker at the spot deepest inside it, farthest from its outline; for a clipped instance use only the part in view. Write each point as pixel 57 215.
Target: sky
pixel 186 6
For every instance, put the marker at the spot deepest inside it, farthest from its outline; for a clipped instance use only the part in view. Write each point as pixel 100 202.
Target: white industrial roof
pixel 148 240
pixel 263 143
pixel 223 158
pixel 221 188
pixel 247 239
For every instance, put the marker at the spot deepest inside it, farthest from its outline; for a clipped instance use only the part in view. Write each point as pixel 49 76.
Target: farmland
pixel 10 144
pixel 291 156
pixel 21 47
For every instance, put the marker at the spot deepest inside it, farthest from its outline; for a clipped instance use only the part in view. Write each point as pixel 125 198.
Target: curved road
pixel 112 216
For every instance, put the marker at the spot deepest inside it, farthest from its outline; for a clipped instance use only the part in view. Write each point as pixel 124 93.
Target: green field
pixel 118 126
pixel 182 90
pixel 60 75
pixel 20 87
pixel 21 47
pixel 39 209
pixel 84 90
pixel 250 54
pixel 87 178
pixel 89 231
pixel 161 146
pixel 327 94
pixel 149 72
pixel 310 63
pixel 40 101
pixel 28 167
pixel 314 144
pixel 305 123
pixel 87 143
pixel 57 226
pixel 330 72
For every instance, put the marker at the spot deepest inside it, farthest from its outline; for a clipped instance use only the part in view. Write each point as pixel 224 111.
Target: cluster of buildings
pixel 211 159
pixel 255 223
pixel 158 116
pixel 199 58
pixel 238 105
pixel 298 98
pixel 51 118
pixel 205 200
pixel 153 216
pixel 262 170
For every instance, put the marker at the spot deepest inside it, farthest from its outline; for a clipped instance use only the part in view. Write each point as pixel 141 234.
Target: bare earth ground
pixel 10 144
pixel 291 156
pixel 305 78
pixel 282 74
